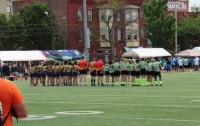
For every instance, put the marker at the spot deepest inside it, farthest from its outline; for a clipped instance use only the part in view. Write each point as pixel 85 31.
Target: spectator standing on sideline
pixel 180 64
pixel 11 98
pixel 5 70
pixel 176 64
pixel 196 63
pixel 173 63
pixel 168 66
pixel 1 70
pixel 14 70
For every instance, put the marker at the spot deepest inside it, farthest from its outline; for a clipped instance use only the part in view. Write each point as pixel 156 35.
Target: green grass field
pixel 177 103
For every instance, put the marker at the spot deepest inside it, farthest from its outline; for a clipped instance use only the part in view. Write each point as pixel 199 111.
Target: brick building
pixel 134 33
pixel 6 7
pixel 69 14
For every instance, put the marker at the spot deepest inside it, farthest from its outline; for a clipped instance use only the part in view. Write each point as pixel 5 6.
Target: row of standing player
pixel 134 72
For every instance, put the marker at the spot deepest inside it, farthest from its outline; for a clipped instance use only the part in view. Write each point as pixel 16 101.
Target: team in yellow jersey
pixel 54 74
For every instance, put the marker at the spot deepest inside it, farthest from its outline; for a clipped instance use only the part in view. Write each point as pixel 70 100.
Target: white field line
pixel 151 119
pixel 147 105
pixel 195 101
pixel 115 96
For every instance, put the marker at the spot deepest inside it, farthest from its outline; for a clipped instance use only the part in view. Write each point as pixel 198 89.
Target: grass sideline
pixel 177 103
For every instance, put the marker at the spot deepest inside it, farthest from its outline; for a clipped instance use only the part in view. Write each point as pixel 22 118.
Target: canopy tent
pixel 188 53
pixel 22 56
pixel 146 52
pixel 196 49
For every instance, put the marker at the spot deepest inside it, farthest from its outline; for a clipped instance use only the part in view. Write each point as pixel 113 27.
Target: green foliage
pixel 32 28
pixel 3 27
pixel 195 9
pixel 189 32
pixel 160 24
pixel 39 22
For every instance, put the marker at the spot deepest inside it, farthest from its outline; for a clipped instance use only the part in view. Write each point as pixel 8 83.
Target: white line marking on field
pixel 176 106
pixel 78 112
pixel 151 119
pixel 38 117
pixel 122 95
pixel 194 100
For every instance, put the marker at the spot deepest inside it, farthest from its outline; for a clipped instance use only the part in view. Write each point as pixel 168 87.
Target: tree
pixel 189 32
pixel 195 9
pixel 40 23
pixel 15 35
pixel 3 27
pixel 109 11
pixel 159 23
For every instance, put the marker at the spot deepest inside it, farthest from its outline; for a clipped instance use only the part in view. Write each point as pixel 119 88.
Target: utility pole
pixel 86 33
pixel 176 30
pixel 52 27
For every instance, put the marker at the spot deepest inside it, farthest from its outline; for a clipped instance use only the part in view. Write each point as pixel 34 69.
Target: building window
pixel 80 15
pixel 118 16
pixel 102 15
pixel 109 14
pixel 90 15
pixel 119 35
pixel 135 34
pixel 8 9
pixel 80 35
pixel 129 35
pixel 91 34
pixel 103 34
pixel 131 15
pixel 106 15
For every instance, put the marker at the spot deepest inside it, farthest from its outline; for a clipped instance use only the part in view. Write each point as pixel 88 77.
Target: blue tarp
pixel 61 55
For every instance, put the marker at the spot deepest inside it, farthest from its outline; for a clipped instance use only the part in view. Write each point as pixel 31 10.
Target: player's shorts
pixel 157 73
pixel 149 72
pixel 143 71
pixel 93 73
pixel 83 71
pixel 107 73
pixel 123 72
pixel 100 73
pixel 133 73
pixel 75 73
pixel 43 74
pixel 116 73
pixel 137 73
pixel 127 72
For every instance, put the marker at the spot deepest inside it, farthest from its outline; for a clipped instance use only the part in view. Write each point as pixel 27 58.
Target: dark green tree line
pixel 159 23
pixel 31 28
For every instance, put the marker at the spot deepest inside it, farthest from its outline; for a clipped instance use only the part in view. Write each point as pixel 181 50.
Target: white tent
pixel 196 49
pixel 188 53
pixel 22 56
pixel 146 52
